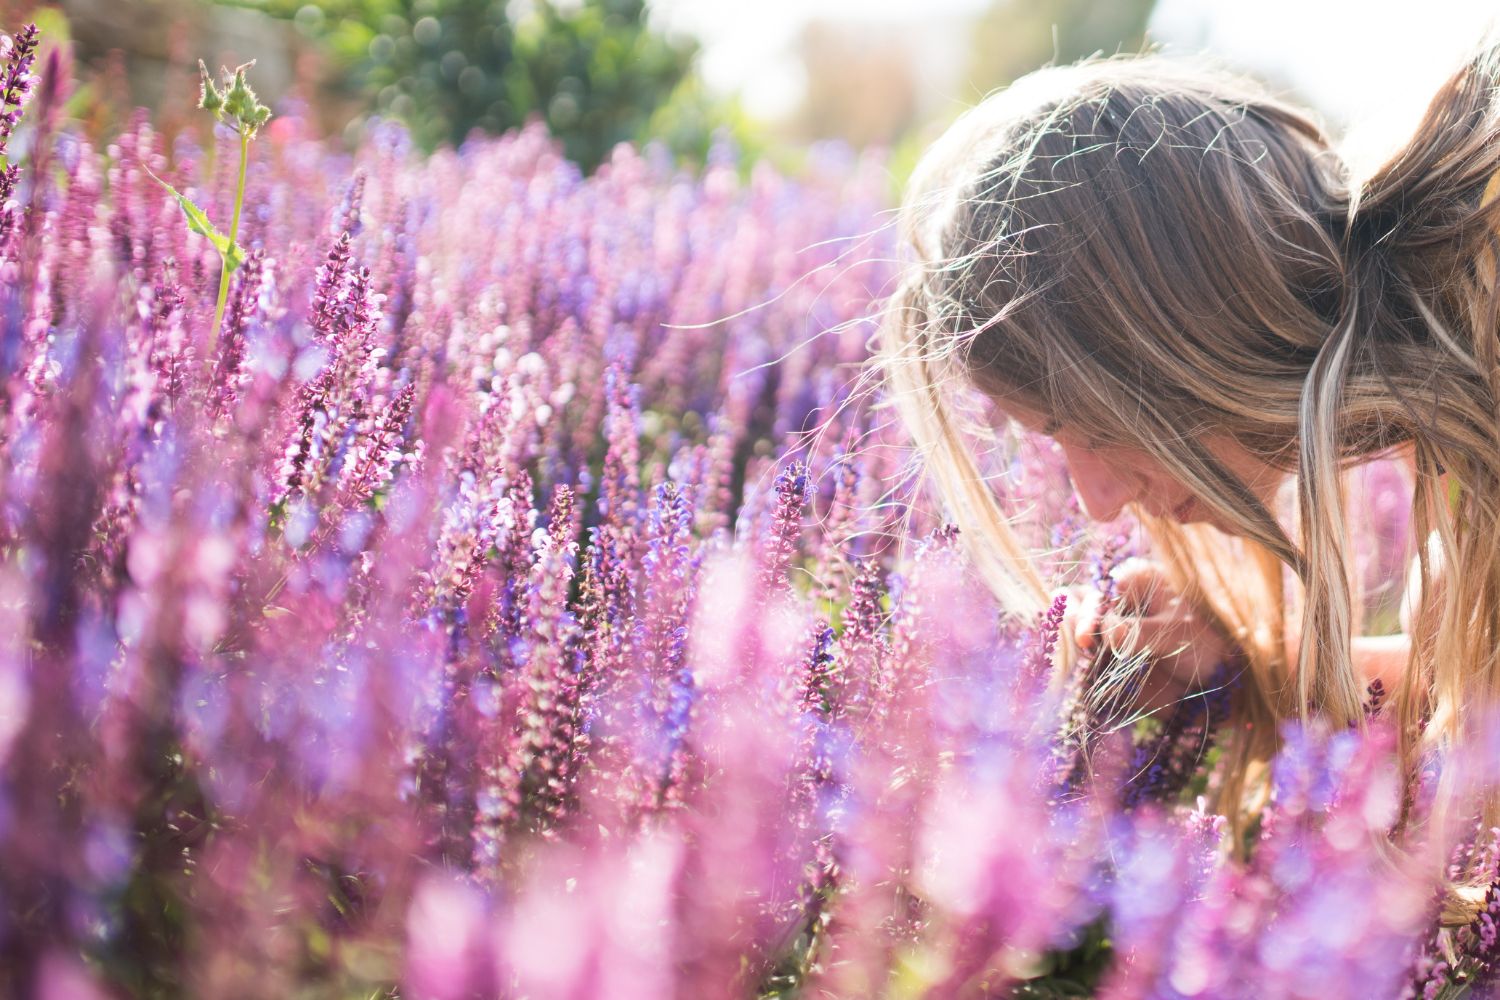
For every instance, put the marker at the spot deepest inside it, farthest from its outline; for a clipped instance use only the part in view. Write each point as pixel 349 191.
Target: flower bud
pixel 209 98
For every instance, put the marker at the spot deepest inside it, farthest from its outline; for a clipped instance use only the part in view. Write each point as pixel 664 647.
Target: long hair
pixel 1151 249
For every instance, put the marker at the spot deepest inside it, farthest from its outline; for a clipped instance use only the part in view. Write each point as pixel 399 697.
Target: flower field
pixel 522 590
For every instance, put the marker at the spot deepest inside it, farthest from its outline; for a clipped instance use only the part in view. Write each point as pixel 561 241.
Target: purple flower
pixel 244 306
pixel 331 294
pixel 1037 666
pixel 793 489
pixel 16 80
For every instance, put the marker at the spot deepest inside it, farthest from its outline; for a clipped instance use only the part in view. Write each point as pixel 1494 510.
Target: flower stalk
pixel 238 107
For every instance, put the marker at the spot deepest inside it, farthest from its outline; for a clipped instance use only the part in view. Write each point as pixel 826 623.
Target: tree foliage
pixel 595 72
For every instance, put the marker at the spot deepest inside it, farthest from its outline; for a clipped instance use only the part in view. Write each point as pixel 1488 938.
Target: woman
pixel 1175 275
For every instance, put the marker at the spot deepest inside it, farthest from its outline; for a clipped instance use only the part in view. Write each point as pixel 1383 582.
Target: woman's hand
pixel 1148 615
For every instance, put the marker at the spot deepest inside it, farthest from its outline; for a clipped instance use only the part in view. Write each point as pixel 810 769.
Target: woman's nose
pixel 1102 492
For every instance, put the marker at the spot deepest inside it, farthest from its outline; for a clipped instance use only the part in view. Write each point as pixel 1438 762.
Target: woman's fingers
pixel 1145 615
pixel 1148 616
pixel 1137 584
pixel 1081 614
pixel 1141 586
pixel 1129 634
pixel 1175 638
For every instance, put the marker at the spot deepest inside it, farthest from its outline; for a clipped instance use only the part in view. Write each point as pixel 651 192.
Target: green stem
pixel 234 236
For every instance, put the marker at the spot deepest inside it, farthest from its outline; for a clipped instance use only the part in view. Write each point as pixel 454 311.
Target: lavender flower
pixel 331 294
pixel 16 80
pixel 1038 663
pixel 243 306
pixel 16 85
pixel 793 488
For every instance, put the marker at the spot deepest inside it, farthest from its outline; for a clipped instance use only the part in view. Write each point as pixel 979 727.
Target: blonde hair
pixel 1146 248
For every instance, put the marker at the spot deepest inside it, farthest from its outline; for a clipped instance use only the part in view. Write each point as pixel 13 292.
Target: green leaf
pixel 229 253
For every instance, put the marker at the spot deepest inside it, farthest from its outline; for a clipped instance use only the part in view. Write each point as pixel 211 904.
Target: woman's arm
pixel 1382 658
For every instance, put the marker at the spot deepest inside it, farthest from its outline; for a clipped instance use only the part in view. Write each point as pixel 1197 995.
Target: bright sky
pixel 1371 63
pixel 747 47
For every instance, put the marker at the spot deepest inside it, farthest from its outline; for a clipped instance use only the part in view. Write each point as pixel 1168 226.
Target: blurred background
pixel 772 78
